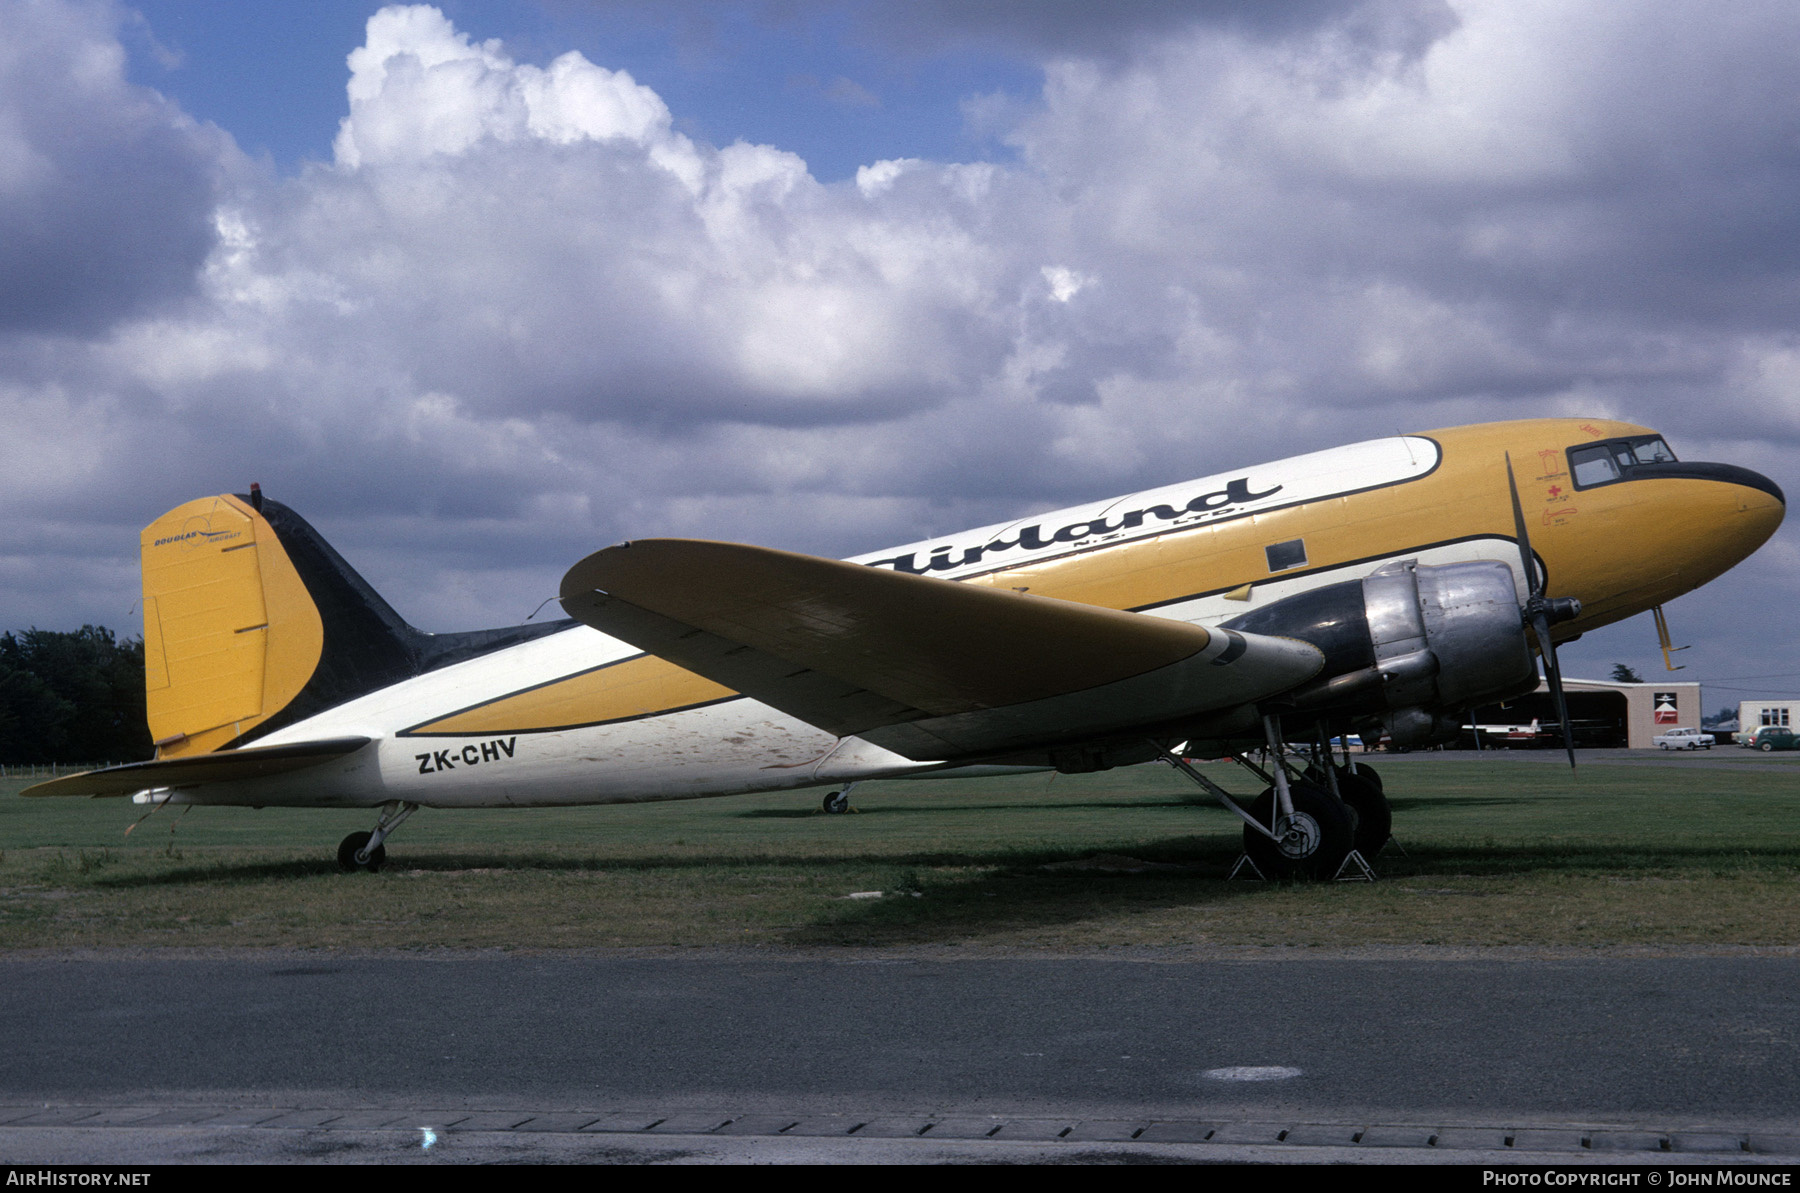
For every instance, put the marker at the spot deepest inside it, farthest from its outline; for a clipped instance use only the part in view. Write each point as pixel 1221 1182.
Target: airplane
pixel 1515 734
pixel 1534 734
pixel 1385 587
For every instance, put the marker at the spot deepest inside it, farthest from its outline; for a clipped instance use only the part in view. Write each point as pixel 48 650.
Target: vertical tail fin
pixel 253 622
pixel 231 634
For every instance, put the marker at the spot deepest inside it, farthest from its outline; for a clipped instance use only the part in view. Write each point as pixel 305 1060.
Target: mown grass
pixel 1495 853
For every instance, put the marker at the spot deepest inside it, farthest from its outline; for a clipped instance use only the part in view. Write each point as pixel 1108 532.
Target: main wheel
pixel 837 801
pixel 1374 818
pixel 1371 820
pixel 1362 774
pixel 1312 843
pixel 353 845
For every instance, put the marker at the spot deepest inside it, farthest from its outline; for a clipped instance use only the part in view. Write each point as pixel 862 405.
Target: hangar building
pixel 1605 713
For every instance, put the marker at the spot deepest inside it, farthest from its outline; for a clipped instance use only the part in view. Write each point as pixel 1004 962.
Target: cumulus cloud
pixel 106 189
pixel 521 314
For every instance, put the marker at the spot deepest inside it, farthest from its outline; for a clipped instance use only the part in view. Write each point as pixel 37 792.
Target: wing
pixel 223 767
pixel 928 668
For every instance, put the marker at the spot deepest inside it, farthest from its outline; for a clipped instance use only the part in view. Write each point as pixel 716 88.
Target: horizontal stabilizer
pixel 929 668
pixel 229 766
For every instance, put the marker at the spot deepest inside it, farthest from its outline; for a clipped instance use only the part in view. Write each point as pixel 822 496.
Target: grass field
pixel 1496 853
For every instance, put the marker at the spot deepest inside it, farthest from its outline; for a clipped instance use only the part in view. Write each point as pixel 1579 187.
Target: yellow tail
pixel 231 635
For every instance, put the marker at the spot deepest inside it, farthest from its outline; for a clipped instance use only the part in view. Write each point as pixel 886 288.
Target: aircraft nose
pixel 1732 474
pixel 1729 474
pixel 1747 507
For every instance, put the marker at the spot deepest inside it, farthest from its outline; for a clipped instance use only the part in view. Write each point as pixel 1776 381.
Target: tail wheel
pixel 353 845
pixel 1311 843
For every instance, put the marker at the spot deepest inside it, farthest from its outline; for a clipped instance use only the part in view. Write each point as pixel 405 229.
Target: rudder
pixel 230 633
pixel 252 622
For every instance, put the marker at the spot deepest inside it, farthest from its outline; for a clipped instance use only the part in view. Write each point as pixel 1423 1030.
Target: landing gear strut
pixel 1323 823
pixel 838 801
pixel 365 851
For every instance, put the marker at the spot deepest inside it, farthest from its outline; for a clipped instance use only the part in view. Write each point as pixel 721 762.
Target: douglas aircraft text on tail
pixel 1384 587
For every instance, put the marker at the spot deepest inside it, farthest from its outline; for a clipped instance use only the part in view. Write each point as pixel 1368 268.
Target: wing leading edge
pixel 928 668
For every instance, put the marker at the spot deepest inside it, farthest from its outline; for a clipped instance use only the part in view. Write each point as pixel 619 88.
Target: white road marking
pixel 1252 1073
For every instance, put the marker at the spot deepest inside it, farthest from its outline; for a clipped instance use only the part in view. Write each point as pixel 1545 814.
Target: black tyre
pixel 353 845
pixel 1364 774
pixel 1371 819
pixel 837 801
pixel 1318 778
pixel 1374 818
pixel 1314 841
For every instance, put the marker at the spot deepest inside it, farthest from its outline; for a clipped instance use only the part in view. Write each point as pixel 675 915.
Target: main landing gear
pixel 1359 787
pixel 1325 821
pixel 838 801
pixel 365 851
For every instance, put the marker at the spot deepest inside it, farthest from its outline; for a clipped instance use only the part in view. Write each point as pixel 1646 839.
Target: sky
pixel 482 287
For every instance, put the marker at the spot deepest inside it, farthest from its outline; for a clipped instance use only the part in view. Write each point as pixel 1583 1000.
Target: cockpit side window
pixel 1603 463
pixel 1593 465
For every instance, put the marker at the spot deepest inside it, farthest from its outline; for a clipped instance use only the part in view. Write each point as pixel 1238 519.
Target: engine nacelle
pixel 1412 644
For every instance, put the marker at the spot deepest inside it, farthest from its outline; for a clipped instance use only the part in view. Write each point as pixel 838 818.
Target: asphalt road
pixel 1678 1040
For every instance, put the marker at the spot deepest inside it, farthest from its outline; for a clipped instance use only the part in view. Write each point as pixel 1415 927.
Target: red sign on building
pixel 1665 709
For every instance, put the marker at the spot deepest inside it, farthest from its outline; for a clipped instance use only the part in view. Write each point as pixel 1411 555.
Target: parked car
pixel 1774 737
pixel 1683 739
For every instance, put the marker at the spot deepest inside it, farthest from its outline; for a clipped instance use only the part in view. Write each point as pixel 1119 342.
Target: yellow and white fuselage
pixel 248 653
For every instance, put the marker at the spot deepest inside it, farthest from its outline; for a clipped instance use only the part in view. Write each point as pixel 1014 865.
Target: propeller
pixel 1542 612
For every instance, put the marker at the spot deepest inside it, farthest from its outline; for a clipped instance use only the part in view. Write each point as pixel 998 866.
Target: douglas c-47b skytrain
pixel 1385 587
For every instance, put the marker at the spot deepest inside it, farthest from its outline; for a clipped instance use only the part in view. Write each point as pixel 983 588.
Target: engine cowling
pixel 1411 644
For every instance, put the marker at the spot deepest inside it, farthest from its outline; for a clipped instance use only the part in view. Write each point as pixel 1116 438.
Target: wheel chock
pixel 1360 870
pixel 1242 862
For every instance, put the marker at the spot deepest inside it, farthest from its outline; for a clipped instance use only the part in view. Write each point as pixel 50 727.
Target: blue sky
pixel 814 81
pixel 832 277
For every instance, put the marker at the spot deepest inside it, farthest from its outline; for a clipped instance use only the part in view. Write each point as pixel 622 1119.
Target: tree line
pixel 71 697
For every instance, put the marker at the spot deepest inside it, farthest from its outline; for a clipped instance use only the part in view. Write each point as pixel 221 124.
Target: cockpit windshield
pixel 1602 463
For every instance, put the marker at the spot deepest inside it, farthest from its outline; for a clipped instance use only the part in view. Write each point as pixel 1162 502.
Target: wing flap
pixel 224 767
pixel 864 651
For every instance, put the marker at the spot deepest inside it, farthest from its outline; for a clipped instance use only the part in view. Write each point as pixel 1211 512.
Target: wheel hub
pixel 1298 835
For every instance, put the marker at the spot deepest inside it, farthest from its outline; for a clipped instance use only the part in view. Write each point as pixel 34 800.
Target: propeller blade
pixel 1537 615
pixel 1532 585
pixel 1540 625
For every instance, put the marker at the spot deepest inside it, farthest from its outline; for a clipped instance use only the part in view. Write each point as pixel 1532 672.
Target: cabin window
pixel 1286 556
